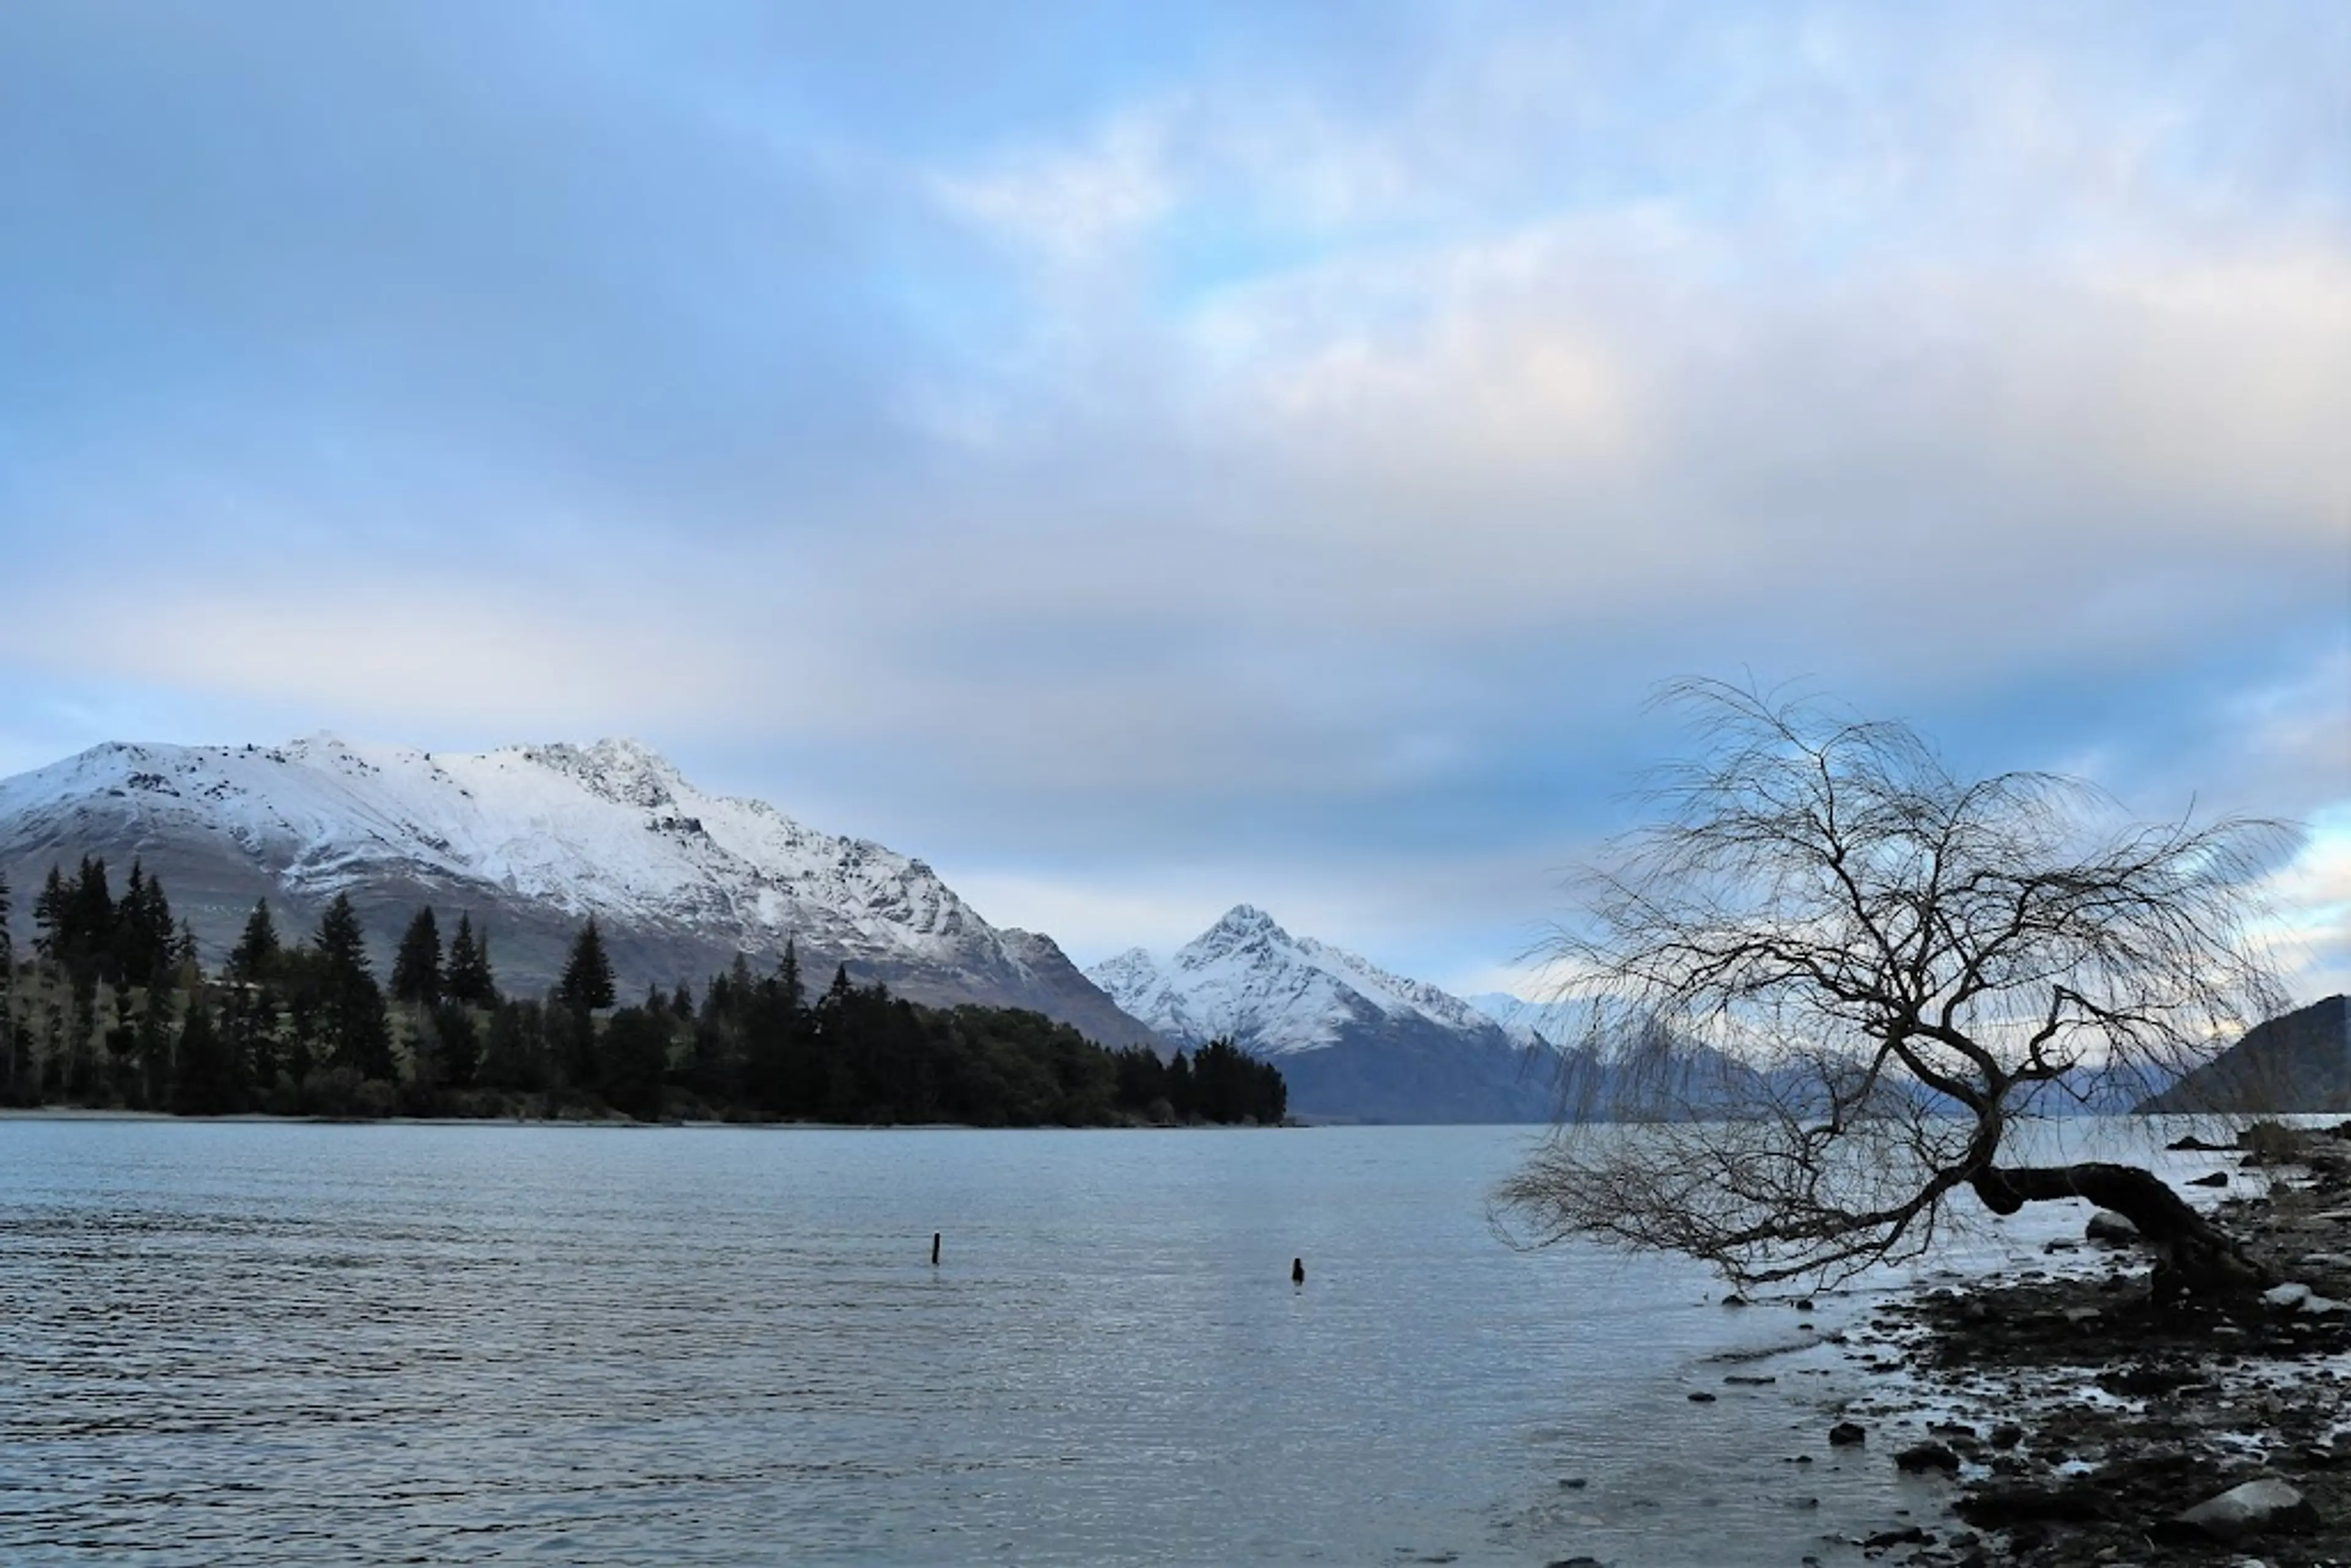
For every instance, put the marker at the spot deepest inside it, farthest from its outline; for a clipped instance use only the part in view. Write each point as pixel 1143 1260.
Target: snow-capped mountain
pixel 1353 1040
pixel 531 840
pixel 1563 1023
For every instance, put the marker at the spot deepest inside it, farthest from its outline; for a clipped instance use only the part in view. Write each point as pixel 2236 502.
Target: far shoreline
pixel 266 1118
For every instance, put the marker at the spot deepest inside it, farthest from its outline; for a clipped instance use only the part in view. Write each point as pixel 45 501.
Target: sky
pixel 1145 457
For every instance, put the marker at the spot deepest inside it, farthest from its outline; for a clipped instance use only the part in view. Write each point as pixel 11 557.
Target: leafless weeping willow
pixel 1828 976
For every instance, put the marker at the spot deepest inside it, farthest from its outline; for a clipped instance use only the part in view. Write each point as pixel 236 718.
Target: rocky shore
pixel 2080 1423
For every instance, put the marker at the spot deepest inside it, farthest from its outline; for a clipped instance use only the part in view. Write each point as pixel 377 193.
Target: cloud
pixel 1277 445
pixel 1075 205
pixel 2310 926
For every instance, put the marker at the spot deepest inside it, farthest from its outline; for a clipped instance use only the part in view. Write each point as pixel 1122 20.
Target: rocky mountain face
pixel 1353 1042
pixel 2297 1063
pixel 530 839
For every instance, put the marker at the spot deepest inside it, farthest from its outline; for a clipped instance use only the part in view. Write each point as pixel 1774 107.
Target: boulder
pixel 2001 1505
pixel 2108 1229
pixel 1845 1434
pixel 1922 1457
pixel 2254 1508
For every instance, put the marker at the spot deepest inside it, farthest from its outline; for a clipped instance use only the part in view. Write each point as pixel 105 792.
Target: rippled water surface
pixel 282 1343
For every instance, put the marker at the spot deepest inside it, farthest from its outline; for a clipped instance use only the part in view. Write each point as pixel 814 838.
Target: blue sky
pixel 1143 458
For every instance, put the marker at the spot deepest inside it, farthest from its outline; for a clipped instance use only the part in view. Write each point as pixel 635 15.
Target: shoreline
pixel 2076 1422
pixel 267 1118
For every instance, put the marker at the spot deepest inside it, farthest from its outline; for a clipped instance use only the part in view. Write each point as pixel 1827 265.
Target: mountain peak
pixel 1353 1040
pixel 619 769
pixel 1244 920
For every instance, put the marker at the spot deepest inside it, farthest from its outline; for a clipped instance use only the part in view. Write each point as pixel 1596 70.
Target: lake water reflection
pixel 287 1343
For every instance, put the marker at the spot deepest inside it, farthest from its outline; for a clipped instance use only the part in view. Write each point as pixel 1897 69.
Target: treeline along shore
pixel 114 1009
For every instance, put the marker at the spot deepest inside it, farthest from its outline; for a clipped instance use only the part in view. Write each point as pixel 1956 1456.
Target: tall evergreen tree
pixel 50 917
pixel 132 948
pixel 467 976
pixel 587 981
pixel 140 942
pixel 351 1015
pixel 341 944
pixel 253 959
pixel 788 978
pixel 90 911
pixel 416 966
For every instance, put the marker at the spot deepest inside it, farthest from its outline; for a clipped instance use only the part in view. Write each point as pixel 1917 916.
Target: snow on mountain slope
pixel 546 835
pixel 1562 1023
pixel 1247 977
pixel 1353 1042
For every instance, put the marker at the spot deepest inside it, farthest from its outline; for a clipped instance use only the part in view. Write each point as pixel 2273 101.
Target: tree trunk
pixel 2191 1253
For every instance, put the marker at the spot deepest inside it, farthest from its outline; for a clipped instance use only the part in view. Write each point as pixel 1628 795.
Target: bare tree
pixel 1848 974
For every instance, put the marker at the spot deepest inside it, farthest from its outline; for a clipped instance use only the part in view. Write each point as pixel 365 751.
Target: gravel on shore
pixel 2078 1421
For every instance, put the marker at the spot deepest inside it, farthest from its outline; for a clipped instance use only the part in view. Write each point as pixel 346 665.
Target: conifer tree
pixel 130 945
pixel 351 1015
pixel 49 917
pixel 788 977
pixel 140 940
pixel 416 966
pixel 90 915
pixel 587 982
pixel 467 976
pixel 254 958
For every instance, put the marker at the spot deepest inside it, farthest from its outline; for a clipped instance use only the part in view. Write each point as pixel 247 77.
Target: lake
pixel 279 1343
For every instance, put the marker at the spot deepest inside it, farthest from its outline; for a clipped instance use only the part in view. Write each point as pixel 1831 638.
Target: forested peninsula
pixel 114 1009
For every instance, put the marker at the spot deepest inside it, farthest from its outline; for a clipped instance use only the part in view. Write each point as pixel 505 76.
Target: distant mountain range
pixel 530 839
pixel 1353 1042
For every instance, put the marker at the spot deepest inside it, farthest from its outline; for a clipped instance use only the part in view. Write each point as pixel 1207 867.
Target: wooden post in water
pixel 934 1249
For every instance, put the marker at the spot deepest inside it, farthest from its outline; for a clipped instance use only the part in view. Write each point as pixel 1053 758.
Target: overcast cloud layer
pixel 1144 458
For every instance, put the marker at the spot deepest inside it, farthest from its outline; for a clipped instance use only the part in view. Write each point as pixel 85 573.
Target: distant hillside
pixel 2300 1062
